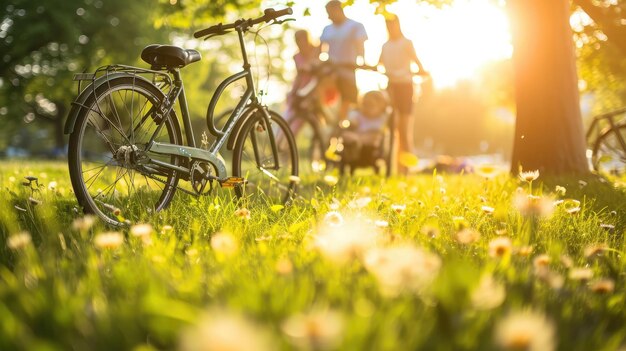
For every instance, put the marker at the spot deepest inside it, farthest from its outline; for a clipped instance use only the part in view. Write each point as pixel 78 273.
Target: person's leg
pixel 346 85
pixel 402 100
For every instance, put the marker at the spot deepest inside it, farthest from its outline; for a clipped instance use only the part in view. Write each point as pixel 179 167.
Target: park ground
pixel 435 262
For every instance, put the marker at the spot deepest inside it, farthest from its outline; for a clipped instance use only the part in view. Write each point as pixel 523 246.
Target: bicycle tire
pixel 390 139
pixel 311 144
pixel 277 185
pixel 99 139
pixel 609 157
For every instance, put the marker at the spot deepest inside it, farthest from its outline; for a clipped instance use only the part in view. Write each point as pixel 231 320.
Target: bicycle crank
pixel 201 175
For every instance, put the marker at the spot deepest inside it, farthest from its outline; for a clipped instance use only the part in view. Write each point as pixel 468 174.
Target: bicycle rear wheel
pixel 389 147
pixel 311 145
pixel 609 152
pixel 111 175
pixel 274 176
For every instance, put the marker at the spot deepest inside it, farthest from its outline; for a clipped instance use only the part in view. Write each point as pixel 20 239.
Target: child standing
pixel 397 55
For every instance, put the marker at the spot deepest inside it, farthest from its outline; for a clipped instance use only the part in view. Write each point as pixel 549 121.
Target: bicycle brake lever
pixel 283 21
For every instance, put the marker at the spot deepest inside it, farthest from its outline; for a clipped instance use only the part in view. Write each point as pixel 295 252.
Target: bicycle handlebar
pixel 243 24
pixel 355 66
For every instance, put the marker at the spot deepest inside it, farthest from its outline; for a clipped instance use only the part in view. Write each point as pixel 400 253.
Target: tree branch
pixel 608 21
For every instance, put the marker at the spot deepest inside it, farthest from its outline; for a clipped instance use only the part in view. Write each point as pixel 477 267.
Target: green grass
pixel 288 279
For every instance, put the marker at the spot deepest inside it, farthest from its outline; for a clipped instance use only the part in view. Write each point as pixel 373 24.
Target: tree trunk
pixel 549 132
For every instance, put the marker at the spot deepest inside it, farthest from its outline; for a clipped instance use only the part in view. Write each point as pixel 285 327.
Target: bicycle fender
pixel 78 105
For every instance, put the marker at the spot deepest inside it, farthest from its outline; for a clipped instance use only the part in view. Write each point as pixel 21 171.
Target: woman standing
pixel 397 55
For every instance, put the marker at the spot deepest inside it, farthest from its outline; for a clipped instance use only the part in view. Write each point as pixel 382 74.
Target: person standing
pixel 343 41
pixel 397 56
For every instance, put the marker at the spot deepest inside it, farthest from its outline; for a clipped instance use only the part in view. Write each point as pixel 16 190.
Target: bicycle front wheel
pixel 112 176
pixel 271 172
pixel 609 152
pixel 310 144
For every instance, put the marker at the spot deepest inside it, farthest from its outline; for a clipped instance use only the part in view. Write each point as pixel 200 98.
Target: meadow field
pixel 480 261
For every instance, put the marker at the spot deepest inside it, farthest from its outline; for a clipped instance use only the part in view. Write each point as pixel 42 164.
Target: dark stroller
pixel 358 148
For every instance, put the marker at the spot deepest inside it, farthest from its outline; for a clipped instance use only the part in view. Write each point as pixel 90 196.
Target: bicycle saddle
pixel 169 56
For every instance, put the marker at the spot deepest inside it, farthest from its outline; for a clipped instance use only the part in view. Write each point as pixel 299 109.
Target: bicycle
pixel 608 153
pixel 310 120
pixel 127 153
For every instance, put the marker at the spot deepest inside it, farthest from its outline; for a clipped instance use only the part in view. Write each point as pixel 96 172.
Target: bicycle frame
pixel 612 126
pixel 211 155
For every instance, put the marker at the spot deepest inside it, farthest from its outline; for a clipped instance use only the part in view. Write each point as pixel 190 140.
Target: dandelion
pixel 360 202
pixel 524 251
pixel 381 223
pixel 330 180
pixel 141 230
pixel 602 286
pixel 398 208
pixel 19 241
pixel 545 274
pixel 242 213
pixel 489 294
pixel 333 218
pixel 577 273
pixel 595 250
pixel 294 179
pixel 488 171
pixel 501 231
pixel 541 262
pixel 316 330
pixel 402 268
pixel 559 190
pixel 529 176
pixel 573 210
pixel 220 330
pixel 467 236
pixel 284 266
pixel 500 247
pixel 108 240
pixel 488 210
pixel 346 241
pixel 224 243
pixel 607 227
pixel 52 185
pixel 263 238
pixel 83 224
pixel 567 261
pixel 533 206
pixel 525 330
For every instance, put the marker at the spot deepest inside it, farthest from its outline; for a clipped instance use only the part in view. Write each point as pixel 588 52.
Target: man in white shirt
pixel 343 41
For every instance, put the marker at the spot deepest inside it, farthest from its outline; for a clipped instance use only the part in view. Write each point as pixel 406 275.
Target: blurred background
pixel 467 109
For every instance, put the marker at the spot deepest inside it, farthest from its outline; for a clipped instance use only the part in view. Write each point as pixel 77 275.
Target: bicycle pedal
pixel 231 182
